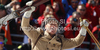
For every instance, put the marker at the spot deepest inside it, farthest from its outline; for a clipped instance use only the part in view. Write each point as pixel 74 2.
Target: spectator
pixel 96 33
pixel 69 9
pixel 82 10
pixel 46 17
pixel 12 6
pixel 57 9
pixel 48 10
pixel 24 46
pixel 4 21
pixel 93 11
pixel 58 12
pixel 2 14
pixel 72 29
pixel 2 43
pixel 15 5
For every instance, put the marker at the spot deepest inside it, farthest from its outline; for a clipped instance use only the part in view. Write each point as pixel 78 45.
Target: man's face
pixel 16 5
pixel 1 44
pixel 51 27
pixel 74 3
pixel 48 10
pixel 81 10
pixel 55 6
pixel 2 13
pixel 76 19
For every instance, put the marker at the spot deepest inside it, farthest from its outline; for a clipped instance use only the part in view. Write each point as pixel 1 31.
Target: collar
pixel 47 35
pixel 55 39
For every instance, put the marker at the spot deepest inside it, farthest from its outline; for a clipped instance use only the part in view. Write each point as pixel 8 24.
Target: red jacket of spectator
pixel 41 8
pixel 93 13
pixel 95 31
pixel 40 19
pixel 70 31
pixel 68 20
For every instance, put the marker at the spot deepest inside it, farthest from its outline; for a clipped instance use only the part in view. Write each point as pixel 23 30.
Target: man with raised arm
pixel 50 40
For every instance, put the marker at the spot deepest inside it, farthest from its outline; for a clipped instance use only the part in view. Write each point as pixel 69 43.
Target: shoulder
pixel 40 30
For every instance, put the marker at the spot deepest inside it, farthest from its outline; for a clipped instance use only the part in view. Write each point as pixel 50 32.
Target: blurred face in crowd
pixel 16 5
pixel 2 13
pixel 48 10
pixel 1 44
pixel 74 3
pixel 97 2
pixel 55 6
pixel 3 2
pixel 75 19
pixel 94 3
pixel 51 27
pixel 48 16
pixel 81 10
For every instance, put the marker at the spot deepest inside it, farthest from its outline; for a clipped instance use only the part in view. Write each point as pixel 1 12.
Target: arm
pixel 65 5
pixel 27 28
pixel 74 42
pixel 8 17
pixel 88 4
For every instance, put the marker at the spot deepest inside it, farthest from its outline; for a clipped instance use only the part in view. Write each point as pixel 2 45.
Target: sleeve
pixel 88 5
pixel 95 30
pixel 3 20
pixel 8 6
pixel 65 5
pixel 31 32
pixel 68 19
pixel 73 42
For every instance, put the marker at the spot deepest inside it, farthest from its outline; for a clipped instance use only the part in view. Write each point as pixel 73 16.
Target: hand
pixel 27 14
pixel 29 3
pixel 83 30
pixel 13 3
pixel 89 1
pixel 84 23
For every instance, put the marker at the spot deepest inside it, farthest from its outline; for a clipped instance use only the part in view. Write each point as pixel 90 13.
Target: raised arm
pixel 75 42
pixel 26 27
pixel 65 5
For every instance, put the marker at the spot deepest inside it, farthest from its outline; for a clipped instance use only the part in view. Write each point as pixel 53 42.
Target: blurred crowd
pixel 67 12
